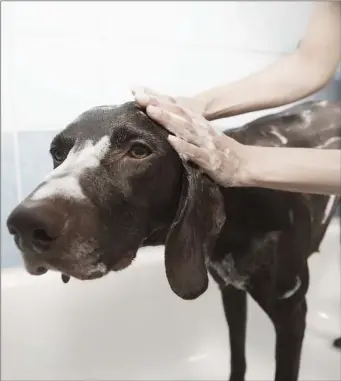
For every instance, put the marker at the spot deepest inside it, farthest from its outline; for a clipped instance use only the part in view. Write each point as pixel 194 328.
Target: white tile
pixel 49 81
pixel 60 58
pixel 35 160
pixel 244 25
pixel 9 198
pixel 176 69
pixel 82 19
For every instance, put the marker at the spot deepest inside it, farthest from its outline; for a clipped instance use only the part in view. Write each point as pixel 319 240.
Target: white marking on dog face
pixel 329 142
pixel 328 209
pixel 281 138
pixel 290 293
pixel 323 103
pixel 64 180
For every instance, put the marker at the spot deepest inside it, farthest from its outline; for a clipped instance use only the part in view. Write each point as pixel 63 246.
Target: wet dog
pixel 118 185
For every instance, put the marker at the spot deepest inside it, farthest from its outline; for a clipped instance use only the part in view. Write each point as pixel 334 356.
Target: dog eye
pixel 57 155
pixel 139 151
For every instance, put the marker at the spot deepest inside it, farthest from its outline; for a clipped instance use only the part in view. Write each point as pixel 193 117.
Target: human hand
pixel 221 157
pixel 143 95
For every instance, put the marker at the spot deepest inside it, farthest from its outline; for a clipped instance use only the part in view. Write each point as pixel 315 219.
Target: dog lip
pixel 124 261
pixel 93 275
pixel 40 270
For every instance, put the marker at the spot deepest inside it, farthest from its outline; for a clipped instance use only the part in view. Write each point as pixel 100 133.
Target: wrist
pixel 222 103
pixel 203 104
pixel 248 173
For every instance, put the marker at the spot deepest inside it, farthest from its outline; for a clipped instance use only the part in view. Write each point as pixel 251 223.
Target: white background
pixel 60 58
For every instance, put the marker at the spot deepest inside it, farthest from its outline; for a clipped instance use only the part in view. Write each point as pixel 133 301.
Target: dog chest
pixel 226 271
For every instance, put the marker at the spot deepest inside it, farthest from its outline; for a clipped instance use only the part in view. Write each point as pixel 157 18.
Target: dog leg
pixel 234 302
pixel 290 327
pixel 289 319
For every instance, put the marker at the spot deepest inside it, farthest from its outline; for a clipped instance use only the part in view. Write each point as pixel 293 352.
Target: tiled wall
pixel 24 162
pixel 9 197
pixel 60 58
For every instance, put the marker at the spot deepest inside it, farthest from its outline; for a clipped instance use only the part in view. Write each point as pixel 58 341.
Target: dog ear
pixel 190 241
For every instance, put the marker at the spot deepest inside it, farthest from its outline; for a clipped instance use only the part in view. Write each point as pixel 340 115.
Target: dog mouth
pixel 83 271
pixel 66 275
pixel 124 261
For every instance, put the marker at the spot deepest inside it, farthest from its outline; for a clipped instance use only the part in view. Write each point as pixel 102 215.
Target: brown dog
pixel 118 185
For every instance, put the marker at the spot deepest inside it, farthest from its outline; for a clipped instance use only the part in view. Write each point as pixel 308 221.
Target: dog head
pixel 117 185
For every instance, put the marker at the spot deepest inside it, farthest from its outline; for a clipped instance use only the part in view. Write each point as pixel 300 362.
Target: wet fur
pixel 271 235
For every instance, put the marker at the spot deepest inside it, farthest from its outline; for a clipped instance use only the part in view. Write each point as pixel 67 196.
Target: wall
pixel 60 58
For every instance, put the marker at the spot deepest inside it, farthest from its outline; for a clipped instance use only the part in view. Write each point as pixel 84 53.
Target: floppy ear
pixel 199 219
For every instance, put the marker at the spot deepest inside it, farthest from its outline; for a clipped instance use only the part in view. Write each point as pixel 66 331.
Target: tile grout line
pixel 17 164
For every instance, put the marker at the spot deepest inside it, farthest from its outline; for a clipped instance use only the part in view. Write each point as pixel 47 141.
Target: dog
pixel 118 185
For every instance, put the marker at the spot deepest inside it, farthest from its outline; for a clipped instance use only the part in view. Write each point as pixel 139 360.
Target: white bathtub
pixel 130 326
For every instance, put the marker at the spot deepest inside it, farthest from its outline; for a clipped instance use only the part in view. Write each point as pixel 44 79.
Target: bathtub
pixel 130 326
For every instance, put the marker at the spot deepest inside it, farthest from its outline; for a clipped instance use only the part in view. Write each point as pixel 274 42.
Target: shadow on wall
pixel 20 177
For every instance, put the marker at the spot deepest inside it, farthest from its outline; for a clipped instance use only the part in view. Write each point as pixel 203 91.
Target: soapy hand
pixel 221 157
pixel 144 95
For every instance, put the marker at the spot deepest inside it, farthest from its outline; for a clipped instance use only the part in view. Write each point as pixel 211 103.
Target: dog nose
pixel 35 226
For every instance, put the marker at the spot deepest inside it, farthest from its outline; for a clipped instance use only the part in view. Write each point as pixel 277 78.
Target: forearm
pixel 293 169
pixel 285 81
pixel 290 78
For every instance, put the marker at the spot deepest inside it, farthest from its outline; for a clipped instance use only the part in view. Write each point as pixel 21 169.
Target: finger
pixel 144 99
pixel 159 95
pixel 202 126
pixel 197 155
pixel 143 95
pixel 172 107
pixel 197 125
pixel 179 126
pixel 145 90
pixel 141 99
pixel 172 122
pixel 200 121
pixel 224 143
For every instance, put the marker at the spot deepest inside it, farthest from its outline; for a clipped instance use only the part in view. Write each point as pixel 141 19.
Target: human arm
pixel 289 79
pixel 230 163
pixel 305 170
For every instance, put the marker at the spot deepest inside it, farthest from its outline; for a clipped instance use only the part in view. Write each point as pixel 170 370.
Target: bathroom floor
pixel 129 326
